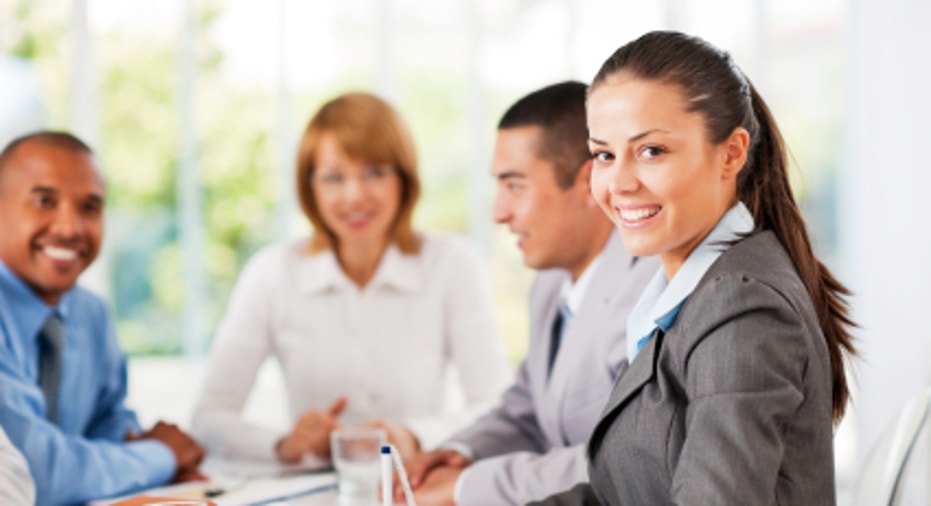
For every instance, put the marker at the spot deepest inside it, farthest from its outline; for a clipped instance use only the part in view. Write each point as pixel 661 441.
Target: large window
pixel 195 108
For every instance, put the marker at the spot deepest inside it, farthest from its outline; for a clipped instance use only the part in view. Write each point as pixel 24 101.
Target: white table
pixel 252 483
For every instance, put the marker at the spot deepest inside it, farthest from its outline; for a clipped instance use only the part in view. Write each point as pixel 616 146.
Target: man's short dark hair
pixel 559 111
pixel 55 139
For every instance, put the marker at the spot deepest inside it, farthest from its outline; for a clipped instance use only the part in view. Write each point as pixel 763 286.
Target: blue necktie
pixel 559 325
pixel 51 347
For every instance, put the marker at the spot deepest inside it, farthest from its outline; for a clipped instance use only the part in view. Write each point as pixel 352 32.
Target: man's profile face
pixel 51 216
pixel 544 217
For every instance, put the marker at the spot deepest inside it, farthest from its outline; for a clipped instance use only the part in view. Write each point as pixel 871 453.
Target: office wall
pixel 885 209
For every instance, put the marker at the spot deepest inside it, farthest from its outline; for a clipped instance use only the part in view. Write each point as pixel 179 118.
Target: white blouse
pixel 16 486
pixel 387 347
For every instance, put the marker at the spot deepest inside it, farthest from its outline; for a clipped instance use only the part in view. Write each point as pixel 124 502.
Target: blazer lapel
pixel 639 373
pixel 600 297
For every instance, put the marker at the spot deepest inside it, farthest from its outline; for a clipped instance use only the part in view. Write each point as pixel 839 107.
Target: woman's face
pixel 358 201
pixel 655 173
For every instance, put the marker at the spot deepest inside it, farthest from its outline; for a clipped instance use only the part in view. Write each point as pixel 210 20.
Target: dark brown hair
pixel 559 111
pixel 714 87
pixel 366 128
pixel 50 138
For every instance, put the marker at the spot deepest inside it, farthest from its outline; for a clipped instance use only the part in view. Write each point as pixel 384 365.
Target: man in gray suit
pixel 533 443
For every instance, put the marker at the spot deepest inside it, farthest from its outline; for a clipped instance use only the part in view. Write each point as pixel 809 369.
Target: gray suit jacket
pixel 533 444
pixel 731 406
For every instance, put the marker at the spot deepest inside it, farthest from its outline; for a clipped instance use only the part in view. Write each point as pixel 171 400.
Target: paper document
pixel 242 491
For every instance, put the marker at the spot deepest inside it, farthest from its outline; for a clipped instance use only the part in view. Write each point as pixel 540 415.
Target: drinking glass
pixel 356 454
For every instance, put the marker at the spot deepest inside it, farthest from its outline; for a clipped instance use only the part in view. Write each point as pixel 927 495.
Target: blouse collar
pixel 660 301
pixel 322 272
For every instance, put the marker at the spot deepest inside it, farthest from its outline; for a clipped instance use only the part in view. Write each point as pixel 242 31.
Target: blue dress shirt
pixel 661 300
pixel 84 456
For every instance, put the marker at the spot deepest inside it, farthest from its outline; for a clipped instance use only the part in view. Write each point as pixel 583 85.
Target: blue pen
pixel 387 497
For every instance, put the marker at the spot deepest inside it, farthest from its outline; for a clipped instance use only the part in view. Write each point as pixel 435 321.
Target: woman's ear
pixel 735 152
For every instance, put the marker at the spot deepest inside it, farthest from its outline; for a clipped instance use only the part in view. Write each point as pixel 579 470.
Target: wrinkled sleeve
pixel 521 477
pixel 72 469
pixel 241 344
pixel 512 426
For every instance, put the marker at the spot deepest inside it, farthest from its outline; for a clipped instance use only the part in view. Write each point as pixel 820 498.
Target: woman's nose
pixel 353 188
pixel 623 178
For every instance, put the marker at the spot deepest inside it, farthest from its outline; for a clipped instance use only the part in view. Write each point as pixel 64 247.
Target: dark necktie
pixel 51 347
pixel 559 323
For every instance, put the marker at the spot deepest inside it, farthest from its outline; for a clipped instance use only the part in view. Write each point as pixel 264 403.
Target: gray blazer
pixel 533 444
pixel 731 406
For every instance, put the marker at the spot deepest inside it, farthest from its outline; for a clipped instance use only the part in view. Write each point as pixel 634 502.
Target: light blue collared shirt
pixel 661 300
pixel 83 457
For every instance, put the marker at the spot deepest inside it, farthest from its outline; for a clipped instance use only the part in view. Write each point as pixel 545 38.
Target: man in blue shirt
pixel 62 375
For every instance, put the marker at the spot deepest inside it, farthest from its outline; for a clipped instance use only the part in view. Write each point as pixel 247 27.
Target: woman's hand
pixel 311 434
pixel 402 438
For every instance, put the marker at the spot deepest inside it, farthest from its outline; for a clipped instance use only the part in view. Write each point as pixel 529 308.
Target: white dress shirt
pixel 16 486
pixel 572 293
pixel 388 347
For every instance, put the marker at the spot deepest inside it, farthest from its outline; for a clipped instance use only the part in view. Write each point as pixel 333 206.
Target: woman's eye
pixel 331 178
pixel 602 156
pixel 374 173
pixel 650 152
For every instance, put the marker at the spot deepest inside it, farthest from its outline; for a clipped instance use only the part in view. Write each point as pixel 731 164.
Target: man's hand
pixel 403 439
pixel 437 489
pixel 424 463
pixel 311 434
pixel 188 453
pixel 421 470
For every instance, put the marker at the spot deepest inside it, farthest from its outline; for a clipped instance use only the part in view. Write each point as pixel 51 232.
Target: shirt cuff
pixel 457 490
pixel 160 459
pixel 429 431
pixel 459 448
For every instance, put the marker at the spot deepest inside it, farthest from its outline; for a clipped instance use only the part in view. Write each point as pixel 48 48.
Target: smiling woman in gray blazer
pixel 738 373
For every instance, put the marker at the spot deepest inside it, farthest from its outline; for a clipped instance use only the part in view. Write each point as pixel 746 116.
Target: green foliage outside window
pixel 237 164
